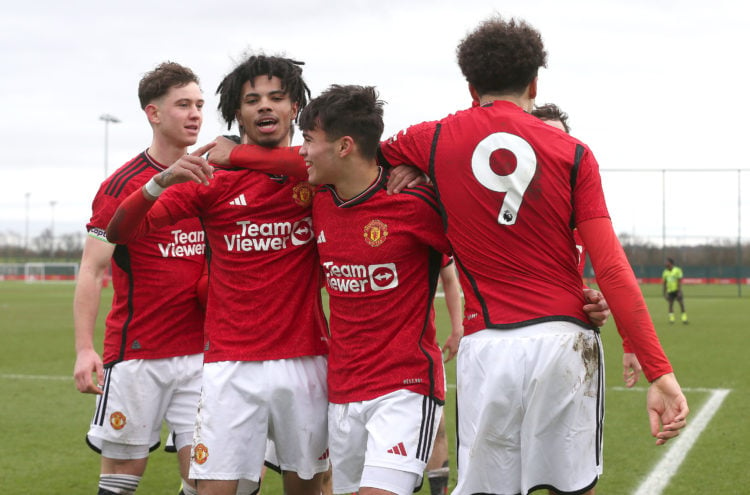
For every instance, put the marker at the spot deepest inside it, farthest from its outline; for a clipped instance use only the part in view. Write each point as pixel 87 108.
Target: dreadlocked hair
pixel 286 69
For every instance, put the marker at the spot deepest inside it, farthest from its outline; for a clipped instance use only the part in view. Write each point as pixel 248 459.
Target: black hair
pixel 501 56
pixel 354 111
pixel 286 69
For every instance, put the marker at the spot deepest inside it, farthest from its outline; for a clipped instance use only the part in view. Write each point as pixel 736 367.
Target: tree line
pixel 713 258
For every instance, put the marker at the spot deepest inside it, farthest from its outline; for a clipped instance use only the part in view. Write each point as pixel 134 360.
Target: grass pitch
pixel 43 418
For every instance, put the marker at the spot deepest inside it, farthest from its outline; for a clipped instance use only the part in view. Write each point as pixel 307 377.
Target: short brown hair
pixel 158 82
pixel 550 111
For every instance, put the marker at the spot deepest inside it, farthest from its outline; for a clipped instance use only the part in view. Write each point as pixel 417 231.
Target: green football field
pixel 43 419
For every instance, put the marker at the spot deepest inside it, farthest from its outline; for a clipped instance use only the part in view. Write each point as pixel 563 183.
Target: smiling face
pixel 266 112
pixel 178 115
pixel 320 157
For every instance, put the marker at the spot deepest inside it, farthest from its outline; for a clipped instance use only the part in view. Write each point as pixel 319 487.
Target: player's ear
pixel 152 113
pixel 474 95
pixel 532 88
pixel 345 146
pixel 295 109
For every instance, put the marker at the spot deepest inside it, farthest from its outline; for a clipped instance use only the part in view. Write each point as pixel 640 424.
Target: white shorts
pixel 245 403
pixel 395 432
pixel 141 393
pixel 530 409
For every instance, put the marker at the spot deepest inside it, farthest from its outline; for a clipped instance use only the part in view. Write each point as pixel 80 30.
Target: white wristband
pixel 153 189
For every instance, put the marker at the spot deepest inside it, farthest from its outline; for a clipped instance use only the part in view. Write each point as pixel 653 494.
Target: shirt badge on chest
pixel 375 233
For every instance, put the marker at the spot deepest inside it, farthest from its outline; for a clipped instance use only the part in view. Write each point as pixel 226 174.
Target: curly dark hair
pixel 354 111
pixel 286 69
pixel 550 111
pixel 501 56
pixel 156 83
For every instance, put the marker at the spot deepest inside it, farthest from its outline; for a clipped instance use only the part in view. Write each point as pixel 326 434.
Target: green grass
pixel 43 419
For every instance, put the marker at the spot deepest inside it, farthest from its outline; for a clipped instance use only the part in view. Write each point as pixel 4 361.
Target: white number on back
pixel 515 183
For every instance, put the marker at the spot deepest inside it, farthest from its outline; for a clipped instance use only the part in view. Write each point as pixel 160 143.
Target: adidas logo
pixel 321 237
pixel 239 201
pixel 398 449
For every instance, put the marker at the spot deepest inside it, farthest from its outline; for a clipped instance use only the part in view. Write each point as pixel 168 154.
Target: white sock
pixel 124 484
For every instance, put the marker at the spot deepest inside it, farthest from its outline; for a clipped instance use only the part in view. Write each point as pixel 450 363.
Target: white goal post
pixel 50 272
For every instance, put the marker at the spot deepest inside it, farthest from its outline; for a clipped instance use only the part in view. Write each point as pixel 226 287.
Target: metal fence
pixel 696 216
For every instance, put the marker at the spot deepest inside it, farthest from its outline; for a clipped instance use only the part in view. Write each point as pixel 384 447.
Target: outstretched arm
pixel 129 221
pixel 280 160
pixel 667 405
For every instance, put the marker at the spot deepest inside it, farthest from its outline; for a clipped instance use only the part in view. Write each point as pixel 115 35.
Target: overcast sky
pixel 648 84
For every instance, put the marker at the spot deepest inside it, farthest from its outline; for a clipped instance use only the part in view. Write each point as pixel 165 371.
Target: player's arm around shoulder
pixel 129 221
pixel 403 177
pixel 188 168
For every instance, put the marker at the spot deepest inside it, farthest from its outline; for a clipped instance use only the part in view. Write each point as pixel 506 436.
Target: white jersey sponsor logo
pixel 184 244
pixel 239 201
pixel 271 236
pixel 361 278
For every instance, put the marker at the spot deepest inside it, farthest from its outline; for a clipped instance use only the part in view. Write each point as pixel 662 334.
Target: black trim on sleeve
pixel 574 178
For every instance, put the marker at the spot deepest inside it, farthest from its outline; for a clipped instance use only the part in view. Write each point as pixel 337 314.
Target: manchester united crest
pixel 117 420
pixel 303 193
pixel 200 453
pixel 375 233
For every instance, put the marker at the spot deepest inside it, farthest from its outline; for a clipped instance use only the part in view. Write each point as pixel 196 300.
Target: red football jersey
pixel 381 256
pixel 264 299
pixel 511 188
pixel 155 309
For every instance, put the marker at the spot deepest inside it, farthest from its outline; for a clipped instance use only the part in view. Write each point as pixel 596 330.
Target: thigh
pixel 231 426
pixel 401 429
pixel 390 438
pixel 489 377
pixel 185 395
pixel 298 414
pixel 132 407
pixel 562 429
pixel 347 436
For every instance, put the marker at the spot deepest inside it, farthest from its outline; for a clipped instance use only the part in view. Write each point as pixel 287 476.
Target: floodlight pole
pixel 739 233
pixel 52 230
pixel 107 118
pixel 664 214
pixel 26 233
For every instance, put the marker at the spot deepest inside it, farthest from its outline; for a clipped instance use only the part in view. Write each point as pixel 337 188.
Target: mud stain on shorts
pixel 588 347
